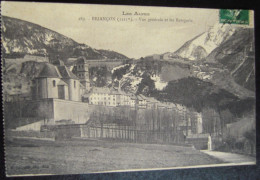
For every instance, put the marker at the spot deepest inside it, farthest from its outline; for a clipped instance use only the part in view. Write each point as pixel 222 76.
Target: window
pixel 54 83
pixel 74 84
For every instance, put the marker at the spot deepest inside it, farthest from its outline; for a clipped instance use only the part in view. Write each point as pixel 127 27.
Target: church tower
pixel 82 72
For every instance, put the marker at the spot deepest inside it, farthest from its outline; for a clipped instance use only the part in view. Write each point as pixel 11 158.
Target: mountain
pixel 237 55
pixel 223 53
pixel 22 37
pixel 202 45
pixel 215 68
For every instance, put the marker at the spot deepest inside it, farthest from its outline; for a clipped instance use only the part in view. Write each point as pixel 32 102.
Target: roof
pixel 151 99
pixel 106 90
pixel 59 63
pixel 66 73
pixel 162 104
pixel 81 86
pixel 114 92
pixel 81 60
pixel 50 71
pixel 133 97
pixel 103 90
pixel 141 97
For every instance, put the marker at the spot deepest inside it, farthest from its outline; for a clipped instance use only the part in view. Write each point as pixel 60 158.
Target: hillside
pixel 22 37
pixel 199 94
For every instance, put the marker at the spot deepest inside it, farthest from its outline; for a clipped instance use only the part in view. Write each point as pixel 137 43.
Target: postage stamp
pixel 234 16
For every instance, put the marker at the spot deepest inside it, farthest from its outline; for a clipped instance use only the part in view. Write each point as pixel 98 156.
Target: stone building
pixel 57 81
pixel 82 72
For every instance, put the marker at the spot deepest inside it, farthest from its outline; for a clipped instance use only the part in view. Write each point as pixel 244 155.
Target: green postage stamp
pixel 234 16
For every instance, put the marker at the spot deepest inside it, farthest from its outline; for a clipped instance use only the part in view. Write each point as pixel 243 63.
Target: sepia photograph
pixel 92 88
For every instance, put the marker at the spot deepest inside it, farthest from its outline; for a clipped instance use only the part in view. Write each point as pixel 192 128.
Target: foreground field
pixel 73 157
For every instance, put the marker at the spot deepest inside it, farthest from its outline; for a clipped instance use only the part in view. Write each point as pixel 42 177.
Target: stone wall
pixel 26 112
pixel 109 64
pixel 79 112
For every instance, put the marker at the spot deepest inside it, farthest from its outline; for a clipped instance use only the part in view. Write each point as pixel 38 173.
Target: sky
pixel 135 39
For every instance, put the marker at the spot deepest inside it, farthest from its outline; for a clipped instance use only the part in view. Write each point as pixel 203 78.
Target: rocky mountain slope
pixel 237 55
pixel 22 37
pixel 202 45
pixel 223 50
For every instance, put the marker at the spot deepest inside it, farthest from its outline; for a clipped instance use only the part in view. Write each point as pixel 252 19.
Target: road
pixel 231 157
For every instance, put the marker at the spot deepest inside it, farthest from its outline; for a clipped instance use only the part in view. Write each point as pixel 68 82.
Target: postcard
pixel 110 88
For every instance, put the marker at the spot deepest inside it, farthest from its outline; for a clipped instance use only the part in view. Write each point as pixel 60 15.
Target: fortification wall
pixel 109 64
pixel 76 111
pixel 26 112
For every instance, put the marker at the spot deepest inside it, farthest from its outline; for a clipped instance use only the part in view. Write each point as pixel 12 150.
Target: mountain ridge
pixel 22 37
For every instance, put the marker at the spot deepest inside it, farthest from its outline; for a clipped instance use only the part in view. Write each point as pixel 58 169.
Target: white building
pixel 102 96
pixel 141 100
pixel 111 97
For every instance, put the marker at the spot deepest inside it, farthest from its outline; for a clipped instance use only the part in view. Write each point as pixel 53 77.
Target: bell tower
pixel 82 72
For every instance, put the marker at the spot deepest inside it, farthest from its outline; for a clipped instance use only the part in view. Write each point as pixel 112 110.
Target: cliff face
pixel 237 55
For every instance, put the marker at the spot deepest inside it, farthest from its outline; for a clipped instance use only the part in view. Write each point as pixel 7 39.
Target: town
pixel 63 96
